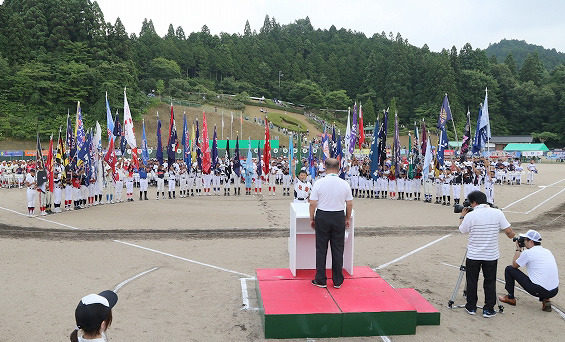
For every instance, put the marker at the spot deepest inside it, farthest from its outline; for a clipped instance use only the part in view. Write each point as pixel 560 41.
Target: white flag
pixel 428 159
pixel 98 137
pixel 348 135
pixel 129 132
pixel 485 122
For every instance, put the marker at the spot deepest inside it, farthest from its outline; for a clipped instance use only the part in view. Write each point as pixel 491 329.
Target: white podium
pixel 302 241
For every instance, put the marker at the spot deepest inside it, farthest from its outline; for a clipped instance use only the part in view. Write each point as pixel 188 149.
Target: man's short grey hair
pixel 331 164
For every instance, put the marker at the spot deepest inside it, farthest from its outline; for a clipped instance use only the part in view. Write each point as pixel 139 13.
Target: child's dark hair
pixel 302 171
pixel 100 313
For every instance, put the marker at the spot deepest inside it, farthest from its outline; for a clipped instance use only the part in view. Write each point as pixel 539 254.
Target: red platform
pixel 366 305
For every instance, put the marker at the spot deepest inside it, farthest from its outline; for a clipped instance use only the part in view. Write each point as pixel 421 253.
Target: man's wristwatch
pixel 461 217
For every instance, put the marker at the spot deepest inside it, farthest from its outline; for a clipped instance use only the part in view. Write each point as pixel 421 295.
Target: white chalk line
pixel 145 248
pixel 410 253
pixel 120 285
pixel 245 294
pixel 537 206
pixel 535 192
pixel 42 219
pixel 385 339
pixel 181 258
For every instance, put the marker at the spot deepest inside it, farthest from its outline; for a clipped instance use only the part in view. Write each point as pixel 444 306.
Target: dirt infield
pixel 199 251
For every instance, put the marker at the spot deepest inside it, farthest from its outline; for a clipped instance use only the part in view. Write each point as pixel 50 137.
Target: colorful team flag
pixel 61 155
pixel 396 144
pixel 311 166
pixel 173 139
pixel 348 150
pixel 144 150
pixel 227 159
pixel 129 131
pixel 70 141
pixel 206 162
pixel 159 143
pixel 109 121
pixel 249 161
pixel 80 135
pixel 49 164
pixel 382 139
pixel 353 138
pixel 236 160
pixel 340 159
pixel 427 158
pixel 259 164
pixel 215 158
pixel 466 138
pixel 198 143
pixel 424 138
pixel 361 129
pixel 444 114
pixel 267 147
pixel 186 143
pixel 110 157
pixel 374 154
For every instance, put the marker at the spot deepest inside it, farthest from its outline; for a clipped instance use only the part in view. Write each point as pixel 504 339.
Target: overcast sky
pixel 438 23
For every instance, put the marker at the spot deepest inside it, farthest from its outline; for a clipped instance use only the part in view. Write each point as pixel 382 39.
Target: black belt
pixel 301 199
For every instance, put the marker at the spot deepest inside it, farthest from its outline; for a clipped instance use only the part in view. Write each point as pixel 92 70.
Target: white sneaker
pixel 43 213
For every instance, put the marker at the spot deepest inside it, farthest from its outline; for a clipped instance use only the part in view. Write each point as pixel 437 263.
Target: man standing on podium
pixel 330 196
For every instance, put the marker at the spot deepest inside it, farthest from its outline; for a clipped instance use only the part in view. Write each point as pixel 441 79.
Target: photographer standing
pixel 483 224
pixel 542 280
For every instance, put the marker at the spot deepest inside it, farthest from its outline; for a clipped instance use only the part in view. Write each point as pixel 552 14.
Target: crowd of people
pixel 75 188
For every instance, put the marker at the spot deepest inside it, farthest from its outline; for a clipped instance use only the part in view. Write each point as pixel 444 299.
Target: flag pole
pixel 488 126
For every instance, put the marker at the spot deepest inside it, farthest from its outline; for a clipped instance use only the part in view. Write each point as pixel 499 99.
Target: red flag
pixel 134 158
pixel 110 156
pixel 267 148
pixel 206 159
pixel 361 131
pixel 49 166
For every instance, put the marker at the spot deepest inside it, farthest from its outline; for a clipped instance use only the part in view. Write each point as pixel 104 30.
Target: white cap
pixel 532 235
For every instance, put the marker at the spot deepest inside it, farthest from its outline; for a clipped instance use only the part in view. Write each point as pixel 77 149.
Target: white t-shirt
pixel 483 225
pixel 331 192
pixel 542 268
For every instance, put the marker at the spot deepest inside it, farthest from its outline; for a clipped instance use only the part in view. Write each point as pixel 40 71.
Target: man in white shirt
pixel 483 225
pixel 542 280
pixel 330 196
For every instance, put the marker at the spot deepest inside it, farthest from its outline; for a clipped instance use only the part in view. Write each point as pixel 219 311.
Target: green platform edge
pixel 379 323
pixel 299 325
pixel 429 318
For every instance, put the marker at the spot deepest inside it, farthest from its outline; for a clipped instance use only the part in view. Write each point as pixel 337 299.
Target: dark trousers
pixel 330 226
pixel 489 283
pixel 512 274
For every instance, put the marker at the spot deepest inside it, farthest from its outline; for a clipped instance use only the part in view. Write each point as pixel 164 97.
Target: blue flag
pixel 444 114
pixel 339 157
pixel 144 151
pixel 478 139
pixel 311 165
pixel 159 143
pixel 441 145
pixel 185 143
pixel 109 121
pixel 374 154
pixel 290 152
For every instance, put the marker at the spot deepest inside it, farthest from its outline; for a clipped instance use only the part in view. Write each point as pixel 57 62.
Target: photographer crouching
pixel 542 280
pixel 483 224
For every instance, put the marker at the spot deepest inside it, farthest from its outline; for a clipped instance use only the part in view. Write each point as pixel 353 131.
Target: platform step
pixel 427 313
pixel 366 305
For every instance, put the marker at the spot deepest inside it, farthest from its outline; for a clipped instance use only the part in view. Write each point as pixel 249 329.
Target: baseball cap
pixel 532 235
pixel 94 308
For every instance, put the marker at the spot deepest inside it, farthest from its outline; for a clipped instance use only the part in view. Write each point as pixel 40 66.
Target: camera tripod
pixel 462 270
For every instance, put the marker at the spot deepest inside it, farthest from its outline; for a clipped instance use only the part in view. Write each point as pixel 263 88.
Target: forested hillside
pixel 550 58
pixel 56 52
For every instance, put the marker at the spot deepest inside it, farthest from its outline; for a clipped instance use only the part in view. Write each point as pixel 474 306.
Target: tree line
pixel 56 52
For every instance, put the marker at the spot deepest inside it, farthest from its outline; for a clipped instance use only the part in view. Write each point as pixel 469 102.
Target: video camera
pixel 459 208
pixel 521 241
